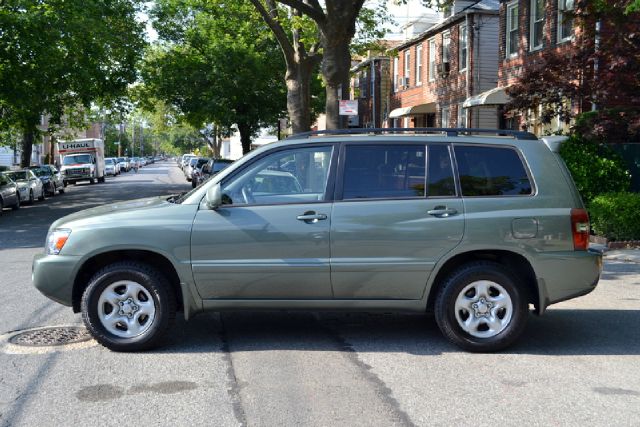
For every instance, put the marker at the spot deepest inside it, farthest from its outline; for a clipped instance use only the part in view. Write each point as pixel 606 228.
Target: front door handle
pixel 311 217
pixel 442 211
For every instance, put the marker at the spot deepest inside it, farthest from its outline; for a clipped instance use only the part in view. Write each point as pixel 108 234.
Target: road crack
pixel 233 387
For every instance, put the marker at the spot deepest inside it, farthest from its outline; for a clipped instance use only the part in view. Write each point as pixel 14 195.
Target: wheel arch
pixel 516 264
pixel 153 259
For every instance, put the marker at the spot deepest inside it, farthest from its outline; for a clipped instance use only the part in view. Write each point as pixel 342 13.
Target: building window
pixel 565 20
pixel 395 74
pixel 536 30
pixel 444 117
pixel 432 60
pixel 462 47
pixel 407 67
pixel 462 116
pixel 512 30
pixel 419 64
pixel 446 47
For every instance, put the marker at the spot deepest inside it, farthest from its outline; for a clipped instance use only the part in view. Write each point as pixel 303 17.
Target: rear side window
pixel 440 172
pixel 384 171
pixel 491 171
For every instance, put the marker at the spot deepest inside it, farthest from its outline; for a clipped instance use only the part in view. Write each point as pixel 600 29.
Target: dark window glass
pixel 384 171
pixel 491 171
pixel 440 172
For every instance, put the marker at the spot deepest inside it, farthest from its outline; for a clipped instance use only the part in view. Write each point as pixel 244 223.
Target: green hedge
pixel 595 168
pixel 616 216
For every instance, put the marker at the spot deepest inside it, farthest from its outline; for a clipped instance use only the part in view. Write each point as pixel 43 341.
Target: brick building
pixel 528 30
pixel 435 72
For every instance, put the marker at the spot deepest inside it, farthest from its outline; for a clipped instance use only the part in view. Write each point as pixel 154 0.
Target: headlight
pixel 56 240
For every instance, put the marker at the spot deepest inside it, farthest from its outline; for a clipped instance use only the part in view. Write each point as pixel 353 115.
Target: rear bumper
pixel 566 275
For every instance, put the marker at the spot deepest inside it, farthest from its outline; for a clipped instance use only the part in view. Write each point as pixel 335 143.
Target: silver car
pixel 9 196
pixel 29 185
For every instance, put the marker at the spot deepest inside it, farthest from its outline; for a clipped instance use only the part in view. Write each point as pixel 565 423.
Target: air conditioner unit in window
pixel 445 67
pixel 405 82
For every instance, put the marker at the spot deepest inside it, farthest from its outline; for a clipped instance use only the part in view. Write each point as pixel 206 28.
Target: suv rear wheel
pixel 128 306
pixel 480 308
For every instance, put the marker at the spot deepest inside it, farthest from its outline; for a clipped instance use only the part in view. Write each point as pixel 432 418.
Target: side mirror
pixel 214 197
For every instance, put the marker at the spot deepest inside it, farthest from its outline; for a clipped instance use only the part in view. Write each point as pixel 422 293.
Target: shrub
pixel 595 168
pixel 616 216
pixel 612 125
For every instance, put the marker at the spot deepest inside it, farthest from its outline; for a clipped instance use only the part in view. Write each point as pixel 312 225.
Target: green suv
pixel 471 225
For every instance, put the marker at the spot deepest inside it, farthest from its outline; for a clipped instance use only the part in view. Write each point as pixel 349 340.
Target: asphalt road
pixel 577 365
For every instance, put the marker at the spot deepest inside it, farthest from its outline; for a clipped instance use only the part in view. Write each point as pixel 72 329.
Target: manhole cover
pixel 45 337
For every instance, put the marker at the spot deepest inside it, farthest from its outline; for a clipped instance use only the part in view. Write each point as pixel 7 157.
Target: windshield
pixel 18 175
pixel 76 159
pixel 40 172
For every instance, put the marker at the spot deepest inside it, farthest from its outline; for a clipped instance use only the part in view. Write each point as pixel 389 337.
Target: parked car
pixel 196 170
pixel 51 178
pixel 188 169
pixel 473 226
pixel 9 195
pixel 111 166
pixel 124 164
pixel 185 160
pixel 212 167
pixel 29 185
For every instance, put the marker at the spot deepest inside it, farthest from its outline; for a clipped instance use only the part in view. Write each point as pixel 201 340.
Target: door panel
pixel 261 252
pixel 379 250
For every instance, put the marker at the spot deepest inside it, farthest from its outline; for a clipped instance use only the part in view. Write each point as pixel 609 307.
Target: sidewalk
pixel 624 255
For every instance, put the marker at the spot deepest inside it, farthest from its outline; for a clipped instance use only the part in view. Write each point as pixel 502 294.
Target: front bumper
pixel 53 276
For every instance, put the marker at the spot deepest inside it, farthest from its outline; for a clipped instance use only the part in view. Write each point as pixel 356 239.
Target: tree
pixel 60 54
pixel 602 68
pixel 215 65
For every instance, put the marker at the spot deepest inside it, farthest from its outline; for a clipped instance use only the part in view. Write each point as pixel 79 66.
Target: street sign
pixel 117 142
pixel 348 107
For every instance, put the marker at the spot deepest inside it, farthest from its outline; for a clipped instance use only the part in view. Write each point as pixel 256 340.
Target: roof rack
pixel 448 131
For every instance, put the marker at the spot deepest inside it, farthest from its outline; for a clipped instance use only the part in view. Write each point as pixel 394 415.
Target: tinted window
pixel 440 172
pixel 384 171
pixel 491 171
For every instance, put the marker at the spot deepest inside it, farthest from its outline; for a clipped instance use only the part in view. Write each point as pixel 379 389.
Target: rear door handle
pixel 311 217
pixel 442 212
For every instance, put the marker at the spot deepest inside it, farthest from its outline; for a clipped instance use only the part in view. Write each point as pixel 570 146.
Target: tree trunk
pixel 336 64
pixel 245 137
pixel 298 79
pixel 28 137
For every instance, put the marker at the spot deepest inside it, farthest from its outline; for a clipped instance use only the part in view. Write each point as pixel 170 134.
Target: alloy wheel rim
pixel 126 309
pixel 483 309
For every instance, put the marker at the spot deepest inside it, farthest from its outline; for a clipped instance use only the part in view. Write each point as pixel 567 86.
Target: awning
pixel 412 111
pixel 495 96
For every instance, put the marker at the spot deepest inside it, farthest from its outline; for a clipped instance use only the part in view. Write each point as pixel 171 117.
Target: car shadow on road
pixel 560 332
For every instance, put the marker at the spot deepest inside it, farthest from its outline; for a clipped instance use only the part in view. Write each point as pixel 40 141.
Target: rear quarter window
pixel 491 171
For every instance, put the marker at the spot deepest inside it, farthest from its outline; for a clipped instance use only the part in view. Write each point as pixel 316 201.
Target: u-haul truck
pixel 82 160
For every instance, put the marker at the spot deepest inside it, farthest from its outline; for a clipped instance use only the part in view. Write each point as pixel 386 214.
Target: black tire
pixel 92 181
pixel 43 195
pixel 54 190
pixel 143 276
pixel 479 337
pixel 31 197
pixel 1 206
pixel 61 190
pixel 101 180
pixel 17 205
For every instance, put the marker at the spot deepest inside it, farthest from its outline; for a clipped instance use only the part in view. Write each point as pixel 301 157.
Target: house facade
pixel 439 70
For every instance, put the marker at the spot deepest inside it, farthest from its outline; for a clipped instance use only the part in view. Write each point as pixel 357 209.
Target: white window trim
pixel 463 67
pixel 445 111
pixel 532 26
pixel 508 53
pixel 559 25
pixel 395 74
pixel 446 48
pixel 432 55
pixel 419 65
pixel 462 116
pixel 407 65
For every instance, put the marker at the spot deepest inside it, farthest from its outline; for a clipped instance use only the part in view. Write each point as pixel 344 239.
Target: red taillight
pixel 580 229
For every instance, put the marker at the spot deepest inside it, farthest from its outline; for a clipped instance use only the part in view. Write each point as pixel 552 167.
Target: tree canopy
pixel 216 63
pixel 61 54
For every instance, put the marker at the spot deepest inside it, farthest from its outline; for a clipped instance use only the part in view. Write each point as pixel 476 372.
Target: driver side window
pixel 297 175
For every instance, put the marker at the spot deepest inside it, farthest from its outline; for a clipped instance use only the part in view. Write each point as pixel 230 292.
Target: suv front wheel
pixel 128 306
pixel 480 308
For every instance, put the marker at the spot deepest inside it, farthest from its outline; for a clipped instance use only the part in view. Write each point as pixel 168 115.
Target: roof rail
pixel 448 131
